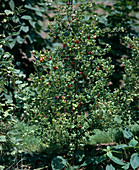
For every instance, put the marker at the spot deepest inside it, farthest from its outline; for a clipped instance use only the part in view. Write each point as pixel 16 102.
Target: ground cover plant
pixel 59 116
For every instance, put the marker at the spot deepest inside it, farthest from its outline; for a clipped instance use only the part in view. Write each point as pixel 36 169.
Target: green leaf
pixel 32 23
pixel 8 12
pixel 35 9
pixel 99 159
pixel 94 160
pixel 9 99
pixel 134 160
pixel 79 155
pixel 12 44
pixel 122 146
pixel 133 142
pixel 127 134
pixel 2 167
pixel 58 163
pixel 109 154
pixel 27 17
pixel 12 5
pixel 118 119
pixel 19 40
pixel 126 166
pixel 24 28
pixel 110 167
pixel 115 159
pixel 87 161
pixel 18 82
pixel 2 139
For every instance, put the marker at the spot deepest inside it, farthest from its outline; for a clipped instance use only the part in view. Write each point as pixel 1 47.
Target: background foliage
pixel 21 28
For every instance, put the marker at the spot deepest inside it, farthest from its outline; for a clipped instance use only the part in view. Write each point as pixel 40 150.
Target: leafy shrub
pixel 69 94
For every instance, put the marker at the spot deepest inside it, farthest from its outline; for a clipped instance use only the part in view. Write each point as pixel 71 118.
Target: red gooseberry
pixel 64 45
pixel 41 59
pixel 56 97
pixel 79 127
pixel 55 68
pixel 73 63
pixel 62 97
pixel 77 41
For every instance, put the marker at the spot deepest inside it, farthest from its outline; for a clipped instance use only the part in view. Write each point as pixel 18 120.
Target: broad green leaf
pixel 2 139
pixel 122 146
pixel 58 163
pixel 126 166
pixel 110 167
pixel 8 12
pixel 134 160
pixel 12 5
pixel 9 99
pixel 24 28
pixel 115 159
pixel 2 167
pixel 127 133
pixel 109 154
pixel 19 40
pixel 32 23
pixel 27 17
pixel 133 142
pixel 12 44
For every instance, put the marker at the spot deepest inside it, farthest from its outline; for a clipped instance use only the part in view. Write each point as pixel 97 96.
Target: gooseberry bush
pixel 69 94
